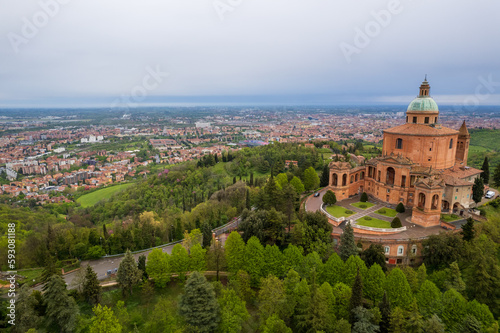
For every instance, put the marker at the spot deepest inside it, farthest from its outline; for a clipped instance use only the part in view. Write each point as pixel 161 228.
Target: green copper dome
pixel 423 104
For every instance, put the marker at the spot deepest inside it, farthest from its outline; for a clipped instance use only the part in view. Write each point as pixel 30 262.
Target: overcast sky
pixel 87 52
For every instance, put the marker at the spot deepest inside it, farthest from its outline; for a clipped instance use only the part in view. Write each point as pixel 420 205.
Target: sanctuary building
pixel 423 165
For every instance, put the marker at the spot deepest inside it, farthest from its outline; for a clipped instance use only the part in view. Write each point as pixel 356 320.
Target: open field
pixel 91 199
pixel 374 223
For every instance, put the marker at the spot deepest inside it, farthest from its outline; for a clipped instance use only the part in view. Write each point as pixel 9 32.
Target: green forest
pixel 281 273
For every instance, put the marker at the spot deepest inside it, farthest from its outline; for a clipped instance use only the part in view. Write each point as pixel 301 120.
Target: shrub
pixel 367 218
pixel 400 208
pixel 348 211
pixel 364 197
pixel 396 223
pixel 381 211
pixel 362 206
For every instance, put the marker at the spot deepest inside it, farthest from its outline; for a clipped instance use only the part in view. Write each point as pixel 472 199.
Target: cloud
pixel 91 49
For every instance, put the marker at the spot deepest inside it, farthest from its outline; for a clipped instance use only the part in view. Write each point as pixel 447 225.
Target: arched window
pixel 387 249
pixel 414 249
pixel 435 201
pixel 399 143
pixel 362 176
pixel 344 180
pixel 334 179
pixel 421 200
pixel 352 179
pixel 401 250
pixel 451 143
pixel 356 177
pixel 391 173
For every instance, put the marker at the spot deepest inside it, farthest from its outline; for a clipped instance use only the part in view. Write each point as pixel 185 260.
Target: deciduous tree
pixel 233 312
pixel 104 321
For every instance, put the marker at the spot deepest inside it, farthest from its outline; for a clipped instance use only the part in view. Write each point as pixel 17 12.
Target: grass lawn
pixel 91 199
pixel 338 211
pixel 389 212
pixel 374 223
pixel 449 217
pixel 358 204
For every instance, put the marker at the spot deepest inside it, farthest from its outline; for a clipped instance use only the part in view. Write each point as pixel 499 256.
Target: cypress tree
pixel 247 198
pixel 478 190
pixel 496 176
pixel 198 305
pixel 251 178
pixel 468 231
pixel 62 310
pixel 325 176
pixel 141 264
pixel 356 297
pixel 347 245
pixel 364 197
pixel 91 287
pixel 49 270
pixel 485 175
pixel 234 180
pixel 385 311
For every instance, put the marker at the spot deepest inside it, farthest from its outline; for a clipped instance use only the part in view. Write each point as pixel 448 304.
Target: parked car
pixel 316 194
pixel 489 194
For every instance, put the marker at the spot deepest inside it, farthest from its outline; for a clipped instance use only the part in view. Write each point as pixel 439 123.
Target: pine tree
pixel 104 321
pixel 62 310
pixel 356 297
pixel 485 175
pixel 429 299
pixel 414 322
pixel 128 273
pixel 454 279
pixel 325 176
pixel 363 321
pixel 468 231
pixel 91 287
pixel 347 245
pixel 26 316
pixel 198 305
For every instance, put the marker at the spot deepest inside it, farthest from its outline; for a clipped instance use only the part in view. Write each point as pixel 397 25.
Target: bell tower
pixel 463 144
